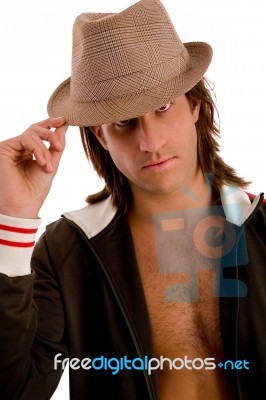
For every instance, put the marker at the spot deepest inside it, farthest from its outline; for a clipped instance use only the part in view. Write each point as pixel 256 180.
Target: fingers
pixel 31 143
pixel 43 130
pixel 50 123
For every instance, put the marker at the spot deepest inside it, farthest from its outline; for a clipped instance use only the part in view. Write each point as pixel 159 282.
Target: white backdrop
pixel 35 45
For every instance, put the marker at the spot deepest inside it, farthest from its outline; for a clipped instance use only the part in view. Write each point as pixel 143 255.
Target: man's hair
pixel 210 161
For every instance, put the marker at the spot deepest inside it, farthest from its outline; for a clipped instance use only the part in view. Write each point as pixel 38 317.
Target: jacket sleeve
pixel 32 330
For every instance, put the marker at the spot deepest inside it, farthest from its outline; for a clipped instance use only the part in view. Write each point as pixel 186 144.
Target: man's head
pixel 128 65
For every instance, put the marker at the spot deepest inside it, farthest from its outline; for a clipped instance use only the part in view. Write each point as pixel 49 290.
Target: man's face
pixel 157 152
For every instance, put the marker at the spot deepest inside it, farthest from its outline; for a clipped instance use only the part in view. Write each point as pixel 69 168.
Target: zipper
pixel 237 276
pixel 120 303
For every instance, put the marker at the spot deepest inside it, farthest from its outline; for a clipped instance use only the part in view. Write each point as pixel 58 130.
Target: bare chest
pixel 184 313
pixel 185 323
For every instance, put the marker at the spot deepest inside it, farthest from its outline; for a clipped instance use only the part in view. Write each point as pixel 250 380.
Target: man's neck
pixel 196 193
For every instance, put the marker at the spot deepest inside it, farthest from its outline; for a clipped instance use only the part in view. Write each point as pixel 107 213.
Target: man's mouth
pixel 159 164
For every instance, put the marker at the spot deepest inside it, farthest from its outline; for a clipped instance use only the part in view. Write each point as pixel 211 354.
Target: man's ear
pixel 195 108
pixel 98 133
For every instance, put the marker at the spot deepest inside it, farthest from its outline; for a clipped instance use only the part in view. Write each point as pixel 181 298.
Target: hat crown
pixel 126 64
pixel 114 55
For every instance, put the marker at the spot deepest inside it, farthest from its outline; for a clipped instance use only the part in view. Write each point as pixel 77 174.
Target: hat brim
pixel 131 106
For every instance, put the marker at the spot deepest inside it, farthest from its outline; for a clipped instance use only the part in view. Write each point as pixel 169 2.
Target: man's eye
pixel 123 123
pixel 164 108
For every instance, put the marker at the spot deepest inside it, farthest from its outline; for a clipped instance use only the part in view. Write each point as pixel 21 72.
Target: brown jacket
pixel 85 299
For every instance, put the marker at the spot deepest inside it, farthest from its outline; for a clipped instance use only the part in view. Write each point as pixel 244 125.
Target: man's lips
pixel 159 164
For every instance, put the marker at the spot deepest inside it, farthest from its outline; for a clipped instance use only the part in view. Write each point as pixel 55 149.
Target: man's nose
pixel 151 135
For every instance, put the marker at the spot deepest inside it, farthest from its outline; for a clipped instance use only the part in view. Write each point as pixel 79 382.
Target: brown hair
pixel 208 132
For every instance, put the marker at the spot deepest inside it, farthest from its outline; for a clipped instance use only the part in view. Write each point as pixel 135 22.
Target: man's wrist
pixel 25 213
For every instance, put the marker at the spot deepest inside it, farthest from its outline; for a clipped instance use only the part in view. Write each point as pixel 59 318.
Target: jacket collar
pixel 93 218
pixel 236 204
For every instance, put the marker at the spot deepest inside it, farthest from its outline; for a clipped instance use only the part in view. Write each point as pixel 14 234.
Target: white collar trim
pixel 236 204
pixel 93 218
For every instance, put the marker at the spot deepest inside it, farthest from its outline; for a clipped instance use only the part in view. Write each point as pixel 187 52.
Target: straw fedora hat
pixel 126 64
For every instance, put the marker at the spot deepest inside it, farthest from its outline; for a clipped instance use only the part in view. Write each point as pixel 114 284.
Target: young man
pixel 155 290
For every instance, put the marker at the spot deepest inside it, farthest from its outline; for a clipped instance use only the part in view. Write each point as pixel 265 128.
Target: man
pixel 155 290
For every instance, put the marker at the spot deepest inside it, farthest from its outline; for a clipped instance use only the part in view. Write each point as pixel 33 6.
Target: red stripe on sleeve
pixel 17 230
pixel 16 244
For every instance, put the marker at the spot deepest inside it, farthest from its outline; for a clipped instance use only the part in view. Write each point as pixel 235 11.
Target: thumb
pixel 61 134
pixel 57 153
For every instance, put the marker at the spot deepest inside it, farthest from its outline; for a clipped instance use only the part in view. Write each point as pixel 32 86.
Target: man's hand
pixel 27 167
